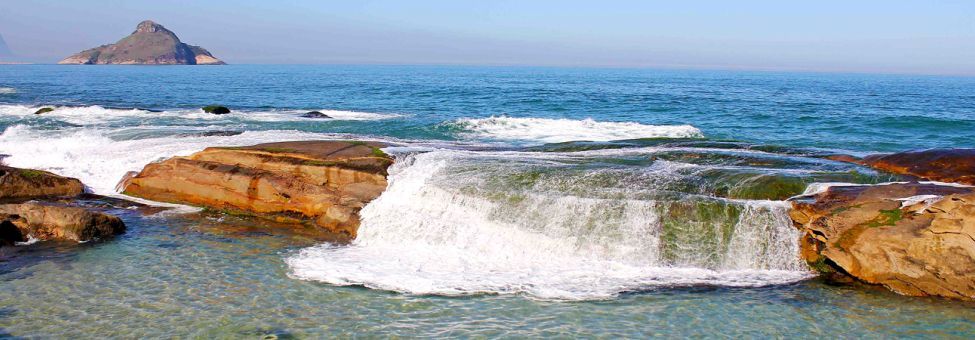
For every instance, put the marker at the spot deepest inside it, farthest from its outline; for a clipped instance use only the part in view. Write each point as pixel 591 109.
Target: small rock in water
pixel 43 110
pixel 216 109
pixel 315 114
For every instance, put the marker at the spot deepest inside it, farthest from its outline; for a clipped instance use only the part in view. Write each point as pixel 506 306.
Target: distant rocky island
pixel 150 44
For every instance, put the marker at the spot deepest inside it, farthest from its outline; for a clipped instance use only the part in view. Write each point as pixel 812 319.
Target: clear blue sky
pixel 935 37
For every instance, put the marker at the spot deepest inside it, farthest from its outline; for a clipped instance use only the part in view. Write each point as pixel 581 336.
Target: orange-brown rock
pixel 320 183
pixel 18 183
pixel 915 239
pixel 44 221
pixel 944 165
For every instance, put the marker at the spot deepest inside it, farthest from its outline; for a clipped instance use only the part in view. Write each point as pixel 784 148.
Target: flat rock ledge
pixel 322 184
pixel 16 183
pixel 915 239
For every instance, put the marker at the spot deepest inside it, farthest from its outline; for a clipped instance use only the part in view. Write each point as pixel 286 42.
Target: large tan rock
pixel 915 239
pixel 320 183
pixel 18 183
pixel 56 222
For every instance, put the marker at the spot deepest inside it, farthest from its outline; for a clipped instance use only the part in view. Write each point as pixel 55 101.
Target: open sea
pixel 524 202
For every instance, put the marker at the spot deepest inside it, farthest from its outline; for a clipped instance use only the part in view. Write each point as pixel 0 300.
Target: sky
pixel 916 37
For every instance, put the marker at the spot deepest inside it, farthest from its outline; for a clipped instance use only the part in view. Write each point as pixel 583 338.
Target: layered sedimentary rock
pixel 150 44
pixel 45 221
pixel 18 183
pixel 943 165
pixel 319 183
pixel 916 239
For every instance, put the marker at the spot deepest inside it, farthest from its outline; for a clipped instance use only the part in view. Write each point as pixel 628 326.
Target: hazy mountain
pixel 4 49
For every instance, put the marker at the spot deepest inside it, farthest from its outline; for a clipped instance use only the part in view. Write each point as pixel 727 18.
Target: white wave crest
pixel 426 236
pixel 99 161
pixel 94 115
pixel 564 130
pixel 7 90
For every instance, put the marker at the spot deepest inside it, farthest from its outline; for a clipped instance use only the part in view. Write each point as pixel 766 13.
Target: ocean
pixel 524 202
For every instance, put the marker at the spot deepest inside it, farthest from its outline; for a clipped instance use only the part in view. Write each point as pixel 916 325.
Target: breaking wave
pixel 459 223
pixel 93 115
pixel 100 161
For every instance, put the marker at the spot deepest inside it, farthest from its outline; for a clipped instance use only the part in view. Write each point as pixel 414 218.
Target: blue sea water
pixel 866 113
pixel 525 202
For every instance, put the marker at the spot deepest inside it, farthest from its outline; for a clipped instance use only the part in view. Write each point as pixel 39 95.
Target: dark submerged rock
pixel 315 114
pixel 216 109
pixel 43 110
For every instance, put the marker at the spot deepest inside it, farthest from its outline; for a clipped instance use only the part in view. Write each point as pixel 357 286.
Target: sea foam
pixel 99 161
pixel 431 232
pixel 562 130
pixel 95 115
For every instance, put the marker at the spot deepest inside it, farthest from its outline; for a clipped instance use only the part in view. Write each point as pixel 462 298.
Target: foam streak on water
pixel 95 115
pixel 444 226
pixel 562 130
pixel 100 161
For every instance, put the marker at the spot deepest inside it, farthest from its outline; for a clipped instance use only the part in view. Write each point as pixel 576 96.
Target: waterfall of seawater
pixel 553 226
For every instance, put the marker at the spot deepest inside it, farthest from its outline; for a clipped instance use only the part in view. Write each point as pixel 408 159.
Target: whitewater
pixel 469 216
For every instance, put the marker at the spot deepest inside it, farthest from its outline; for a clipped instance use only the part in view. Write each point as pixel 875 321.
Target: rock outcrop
pixel 916 239
pixel 150 44
pixel 45 221
pixel 943 165
pixel 318 183
pixel 51 218
pixel 16 183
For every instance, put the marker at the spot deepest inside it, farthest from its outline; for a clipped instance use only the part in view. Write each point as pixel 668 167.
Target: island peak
pixel 150 44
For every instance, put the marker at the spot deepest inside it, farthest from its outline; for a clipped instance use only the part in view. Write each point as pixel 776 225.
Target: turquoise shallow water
pixel 525 202
pixel 200 277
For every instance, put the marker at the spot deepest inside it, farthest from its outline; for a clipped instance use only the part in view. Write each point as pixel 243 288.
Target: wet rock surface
pixel 943 165
pixel 51 221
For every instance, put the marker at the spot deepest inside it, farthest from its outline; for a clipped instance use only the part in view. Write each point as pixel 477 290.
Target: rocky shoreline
pixel 915 238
